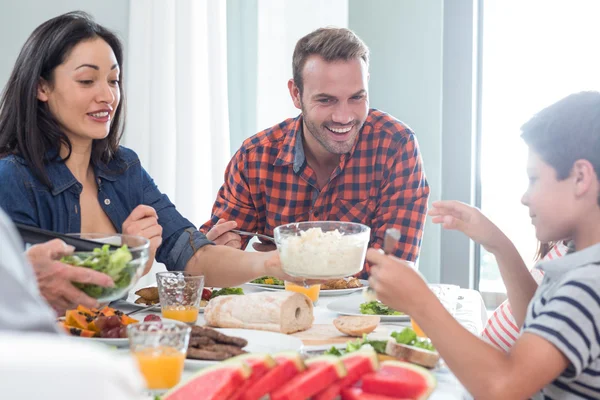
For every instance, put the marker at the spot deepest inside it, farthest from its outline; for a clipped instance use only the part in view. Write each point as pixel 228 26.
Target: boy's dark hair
pixel 332 44
pixel 567 131
pixel 27 127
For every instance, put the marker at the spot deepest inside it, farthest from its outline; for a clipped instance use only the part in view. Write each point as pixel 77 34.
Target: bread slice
pixel 356 326
pixel 415 355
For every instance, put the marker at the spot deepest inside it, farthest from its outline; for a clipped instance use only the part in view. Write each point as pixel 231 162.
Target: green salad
pixel 268 280
pixel 377 308
pixel 409 337
pixel 112 263
pixel 226 291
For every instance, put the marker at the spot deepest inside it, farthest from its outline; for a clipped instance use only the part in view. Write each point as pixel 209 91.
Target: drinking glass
pixel 160 348
pixel 180 294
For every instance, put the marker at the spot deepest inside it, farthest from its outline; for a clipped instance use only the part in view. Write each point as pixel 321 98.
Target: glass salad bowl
pixel 125 264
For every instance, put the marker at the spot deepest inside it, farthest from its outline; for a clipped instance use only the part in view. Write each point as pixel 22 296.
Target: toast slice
pixel 355 325
pixel 415 355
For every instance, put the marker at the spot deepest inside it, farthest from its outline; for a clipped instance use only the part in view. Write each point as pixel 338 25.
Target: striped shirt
pixel 565 311
pixel 379 183
pixel 501 329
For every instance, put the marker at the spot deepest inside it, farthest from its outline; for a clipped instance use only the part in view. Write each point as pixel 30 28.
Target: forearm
pixel 477 365
pixel 224 266
pixel 520 285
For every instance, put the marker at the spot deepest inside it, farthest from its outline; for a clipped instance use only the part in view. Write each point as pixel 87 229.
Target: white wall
pixel 19 18
pixel 406 43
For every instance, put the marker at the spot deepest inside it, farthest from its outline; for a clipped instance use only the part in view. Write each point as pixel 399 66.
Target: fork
pixel 258 235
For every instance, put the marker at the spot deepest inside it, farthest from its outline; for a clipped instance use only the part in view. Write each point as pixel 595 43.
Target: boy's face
pixel 550 201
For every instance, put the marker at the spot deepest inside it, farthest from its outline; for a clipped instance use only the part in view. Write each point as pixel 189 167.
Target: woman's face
pixel 84 93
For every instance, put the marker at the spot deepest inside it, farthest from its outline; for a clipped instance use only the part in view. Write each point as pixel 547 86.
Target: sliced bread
pixel 415 355
pixel 355 325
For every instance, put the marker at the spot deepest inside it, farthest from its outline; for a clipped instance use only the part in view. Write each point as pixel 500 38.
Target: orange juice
pixel 161 366
pixel 312 292
pixel 187 314
pixel 417 329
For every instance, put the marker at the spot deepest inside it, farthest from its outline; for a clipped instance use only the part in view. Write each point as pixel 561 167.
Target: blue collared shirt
pixel 123 184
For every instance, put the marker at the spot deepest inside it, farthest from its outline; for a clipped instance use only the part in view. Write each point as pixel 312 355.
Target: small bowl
pixel 124 278
pixel 322 249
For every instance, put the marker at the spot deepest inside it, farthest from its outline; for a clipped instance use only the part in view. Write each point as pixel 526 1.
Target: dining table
pixel 470 312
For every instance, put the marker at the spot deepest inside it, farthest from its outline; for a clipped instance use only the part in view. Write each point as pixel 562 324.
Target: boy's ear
pixel 585 176
pixel 42 90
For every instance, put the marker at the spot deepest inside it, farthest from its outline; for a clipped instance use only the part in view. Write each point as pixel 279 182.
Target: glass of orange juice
pixel 417 329
pixel 160 349
pixel 312 292
pixel 180 294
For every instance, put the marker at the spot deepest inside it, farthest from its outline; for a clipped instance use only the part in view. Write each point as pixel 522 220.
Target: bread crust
pixel 415 355
pixel 355 325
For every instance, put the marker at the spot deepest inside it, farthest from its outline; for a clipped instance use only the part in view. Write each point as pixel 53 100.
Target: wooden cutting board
pixel 328 334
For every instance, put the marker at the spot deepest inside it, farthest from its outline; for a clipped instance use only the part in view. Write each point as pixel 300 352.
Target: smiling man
pixel 338 160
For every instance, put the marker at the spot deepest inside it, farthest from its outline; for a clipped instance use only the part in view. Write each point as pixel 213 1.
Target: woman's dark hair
pixel 27 127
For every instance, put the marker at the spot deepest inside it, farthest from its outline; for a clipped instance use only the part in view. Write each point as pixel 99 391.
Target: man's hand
pixel 143 221
pixel 469 220
pixel 220 234
pixel 54 278
pixel 397 284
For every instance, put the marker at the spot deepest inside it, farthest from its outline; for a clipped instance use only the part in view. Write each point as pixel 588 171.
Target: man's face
pixel 334 102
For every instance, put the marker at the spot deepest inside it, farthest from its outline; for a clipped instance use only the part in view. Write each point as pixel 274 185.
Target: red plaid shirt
pixel 380 183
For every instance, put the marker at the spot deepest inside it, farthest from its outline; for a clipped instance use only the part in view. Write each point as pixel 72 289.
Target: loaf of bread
pixel 415 355
pixel 285 312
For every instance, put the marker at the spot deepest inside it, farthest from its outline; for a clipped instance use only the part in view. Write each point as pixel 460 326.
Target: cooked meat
pixel 201 341
pixel 149 293
pixel 354 283
pixel 218 336
pixel 233 350
pixel 346 283
pixel 201 354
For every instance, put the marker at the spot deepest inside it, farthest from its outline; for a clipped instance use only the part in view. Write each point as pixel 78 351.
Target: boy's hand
pixel 469 220
pixel 398 285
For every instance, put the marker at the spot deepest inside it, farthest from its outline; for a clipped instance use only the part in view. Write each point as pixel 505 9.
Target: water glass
pixel 180 294
pixel 160 349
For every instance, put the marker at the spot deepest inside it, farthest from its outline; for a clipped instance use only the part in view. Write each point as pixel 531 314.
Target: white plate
pixel 351 306
pixel 324 293
pixel 258 342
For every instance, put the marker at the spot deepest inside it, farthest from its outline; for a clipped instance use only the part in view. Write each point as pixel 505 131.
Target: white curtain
pixel 176 77
pixel 280 24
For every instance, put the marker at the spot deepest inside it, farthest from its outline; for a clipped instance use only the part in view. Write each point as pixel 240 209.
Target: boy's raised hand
pixel 397 284
pixel 469 220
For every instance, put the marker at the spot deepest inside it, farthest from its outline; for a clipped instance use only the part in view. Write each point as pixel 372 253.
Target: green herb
pixel 377 308
pixel 268 280
pixel 408 337
pixel 113 263
pixel 333 351
pixel 377 345
pixel 226 291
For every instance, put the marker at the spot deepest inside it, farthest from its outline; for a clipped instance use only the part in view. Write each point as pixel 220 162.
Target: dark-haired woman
pixel 61 166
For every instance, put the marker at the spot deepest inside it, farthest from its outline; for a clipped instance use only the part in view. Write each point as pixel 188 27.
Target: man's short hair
pixel 567 131
pixel 332 44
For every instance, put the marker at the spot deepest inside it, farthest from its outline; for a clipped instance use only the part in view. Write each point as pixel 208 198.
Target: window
pixel 535 52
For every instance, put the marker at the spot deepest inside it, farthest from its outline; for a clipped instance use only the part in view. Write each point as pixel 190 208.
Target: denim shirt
pixel 123 184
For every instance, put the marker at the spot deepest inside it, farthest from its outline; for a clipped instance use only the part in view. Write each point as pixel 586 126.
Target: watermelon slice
pixel 321 372
pixel 213 383
pixel 260 364
pixel 357 364
pixel 400 379
pixel 358 394
pixel 289 364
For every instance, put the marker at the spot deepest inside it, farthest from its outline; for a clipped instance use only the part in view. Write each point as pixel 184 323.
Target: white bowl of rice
pixel 322 249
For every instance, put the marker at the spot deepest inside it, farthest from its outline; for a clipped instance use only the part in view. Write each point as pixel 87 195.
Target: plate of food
pixel 210 346
pixel 335 287
pixel 357 305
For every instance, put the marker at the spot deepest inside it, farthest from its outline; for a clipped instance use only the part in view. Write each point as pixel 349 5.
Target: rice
pixel 318 254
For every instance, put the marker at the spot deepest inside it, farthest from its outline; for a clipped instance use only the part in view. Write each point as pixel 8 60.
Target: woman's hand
pixel 469 220
pixel 143 221
pixel 55 278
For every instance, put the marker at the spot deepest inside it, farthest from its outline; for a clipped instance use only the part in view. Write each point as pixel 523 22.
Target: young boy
pixel 558 353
